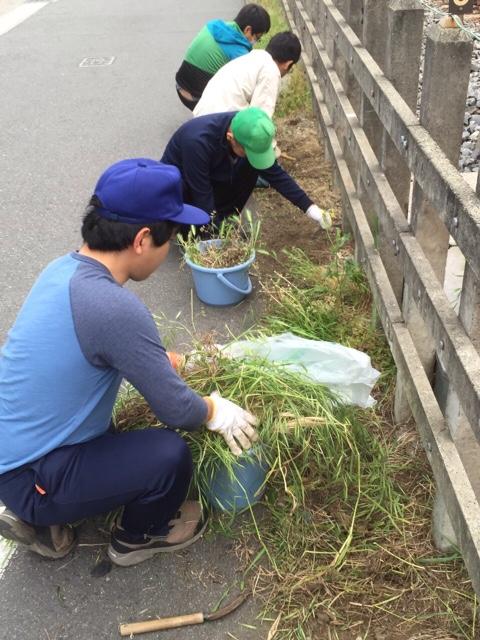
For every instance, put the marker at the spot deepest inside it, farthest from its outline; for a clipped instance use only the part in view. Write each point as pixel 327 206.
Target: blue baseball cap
pixel 143 191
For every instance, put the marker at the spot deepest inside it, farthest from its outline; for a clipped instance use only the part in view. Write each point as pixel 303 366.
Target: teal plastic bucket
pixel 236 490
pixel 221 287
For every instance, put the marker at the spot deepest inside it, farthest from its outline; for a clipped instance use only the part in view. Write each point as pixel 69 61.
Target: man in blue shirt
pixel 78 334
pixel 220 157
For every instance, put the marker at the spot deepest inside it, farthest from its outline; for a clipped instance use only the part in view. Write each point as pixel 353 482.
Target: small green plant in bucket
pixel 220 266
pixel 234 243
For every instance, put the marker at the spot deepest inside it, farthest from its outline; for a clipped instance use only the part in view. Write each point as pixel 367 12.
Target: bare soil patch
pixel 284 226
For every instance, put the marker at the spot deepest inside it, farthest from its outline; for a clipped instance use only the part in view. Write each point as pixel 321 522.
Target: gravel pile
pixel 470 150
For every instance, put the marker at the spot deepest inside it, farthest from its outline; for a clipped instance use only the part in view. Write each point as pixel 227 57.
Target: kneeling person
pixel 77 336
pixel 216 44
pixel 220 157
pixel 252 80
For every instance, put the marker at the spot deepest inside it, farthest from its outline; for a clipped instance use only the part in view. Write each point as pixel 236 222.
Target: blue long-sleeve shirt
pixel 200 150
pixel 77 335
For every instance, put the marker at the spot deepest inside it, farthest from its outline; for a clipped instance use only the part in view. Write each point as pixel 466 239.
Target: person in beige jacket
pixel 252 80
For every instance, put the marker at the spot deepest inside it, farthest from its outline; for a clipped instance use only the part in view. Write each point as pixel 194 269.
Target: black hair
pixel 284 46
pixel 101 234
pixel 255 16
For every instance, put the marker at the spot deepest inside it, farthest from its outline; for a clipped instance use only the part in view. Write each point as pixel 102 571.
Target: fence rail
pixel 350 91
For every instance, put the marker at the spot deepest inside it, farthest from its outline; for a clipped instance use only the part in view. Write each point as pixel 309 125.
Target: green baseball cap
pixel 254 130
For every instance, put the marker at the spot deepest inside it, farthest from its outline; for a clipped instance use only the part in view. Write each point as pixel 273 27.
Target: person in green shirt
pixel 215 45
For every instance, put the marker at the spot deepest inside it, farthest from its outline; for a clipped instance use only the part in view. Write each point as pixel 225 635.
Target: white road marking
pixel 7 550
pixel 7 22
pixel 10 20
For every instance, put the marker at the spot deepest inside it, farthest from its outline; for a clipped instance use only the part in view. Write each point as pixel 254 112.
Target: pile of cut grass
pixel 327 472
pixel 341 542
pixel 330 302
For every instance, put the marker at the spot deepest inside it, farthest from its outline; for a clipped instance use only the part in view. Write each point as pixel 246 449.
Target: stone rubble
pixel 470 149
pixel 469 159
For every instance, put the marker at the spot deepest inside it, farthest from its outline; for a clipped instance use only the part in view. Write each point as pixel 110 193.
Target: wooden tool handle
pixel 160 624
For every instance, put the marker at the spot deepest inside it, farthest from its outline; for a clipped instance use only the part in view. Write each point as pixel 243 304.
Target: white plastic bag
pixel 348 372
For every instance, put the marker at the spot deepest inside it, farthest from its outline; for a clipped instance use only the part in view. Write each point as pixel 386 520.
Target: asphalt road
pixel 61 125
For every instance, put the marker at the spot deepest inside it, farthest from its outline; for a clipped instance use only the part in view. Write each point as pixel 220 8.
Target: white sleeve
pixel 266 91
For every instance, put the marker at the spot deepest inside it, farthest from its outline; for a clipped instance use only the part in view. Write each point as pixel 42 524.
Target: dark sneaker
pixel 49 542
pixel 126 549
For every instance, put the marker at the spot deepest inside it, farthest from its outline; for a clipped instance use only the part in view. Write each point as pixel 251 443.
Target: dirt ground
pixel 283 225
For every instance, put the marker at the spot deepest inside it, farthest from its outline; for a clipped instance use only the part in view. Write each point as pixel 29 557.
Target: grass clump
pixel 234 243
pixel 329 302
pixel 328 471
pixel 340 546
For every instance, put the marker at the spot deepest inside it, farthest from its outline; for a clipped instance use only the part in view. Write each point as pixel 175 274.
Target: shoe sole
pixel 12 530
pixel 44 551
pixel 9 531
pixel 136 557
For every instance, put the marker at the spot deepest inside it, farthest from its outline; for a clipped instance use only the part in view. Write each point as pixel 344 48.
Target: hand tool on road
pixel 182 621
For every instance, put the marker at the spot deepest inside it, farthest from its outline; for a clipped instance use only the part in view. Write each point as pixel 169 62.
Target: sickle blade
pixel 227 609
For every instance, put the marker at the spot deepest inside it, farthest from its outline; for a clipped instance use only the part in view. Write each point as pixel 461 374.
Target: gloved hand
pixel 177 360
pixel 233 422
pixel 321 216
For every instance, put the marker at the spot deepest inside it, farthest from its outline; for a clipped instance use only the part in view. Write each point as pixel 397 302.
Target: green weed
pixel 342 536
pixel 235 242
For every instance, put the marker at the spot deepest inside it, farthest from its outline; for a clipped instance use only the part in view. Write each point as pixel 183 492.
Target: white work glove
pixel 321 216
pixel 233 422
